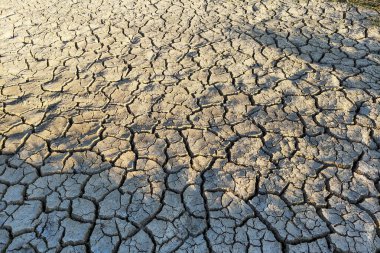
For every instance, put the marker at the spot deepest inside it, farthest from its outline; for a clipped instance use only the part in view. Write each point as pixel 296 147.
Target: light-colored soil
pixel 189 126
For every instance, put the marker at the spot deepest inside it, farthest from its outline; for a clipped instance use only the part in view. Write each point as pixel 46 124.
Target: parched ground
pixel 189 126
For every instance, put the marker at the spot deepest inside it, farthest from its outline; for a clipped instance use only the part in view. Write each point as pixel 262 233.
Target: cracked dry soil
pixel 189 126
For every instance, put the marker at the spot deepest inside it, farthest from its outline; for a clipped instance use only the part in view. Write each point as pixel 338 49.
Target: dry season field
pixel 189 126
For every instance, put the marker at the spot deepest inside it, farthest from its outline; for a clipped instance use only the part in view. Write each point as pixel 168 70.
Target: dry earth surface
pixel 189 126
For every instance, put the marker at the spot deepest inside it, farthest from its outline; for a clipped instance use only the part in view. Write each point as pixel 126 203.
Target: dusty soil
pixel 189 126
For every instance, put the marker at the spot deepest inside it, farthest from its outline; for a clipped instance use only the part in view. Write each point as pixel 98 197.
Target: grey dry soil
pixel 189 126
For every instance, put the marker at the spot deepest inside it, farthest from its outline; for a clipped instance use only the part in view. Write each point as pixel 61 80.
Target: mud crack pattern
pixel 189 126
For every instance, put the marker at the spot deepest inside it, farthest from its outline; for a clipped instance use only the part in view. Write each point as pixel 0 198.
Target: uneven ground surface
pixel 189 126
